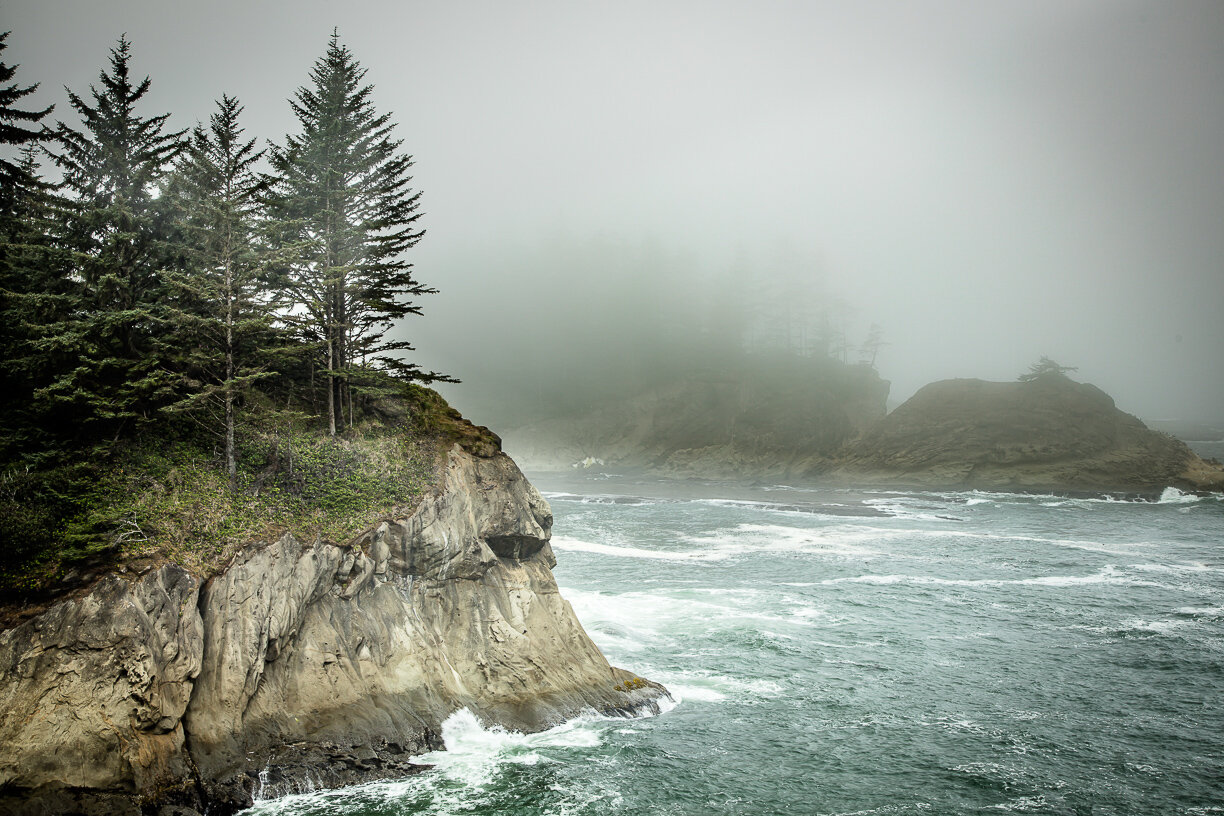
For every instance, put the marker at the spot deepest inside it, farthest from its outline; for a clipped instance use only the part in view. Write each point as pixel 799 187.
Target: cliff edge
pixel 1050 433
pixel 301 663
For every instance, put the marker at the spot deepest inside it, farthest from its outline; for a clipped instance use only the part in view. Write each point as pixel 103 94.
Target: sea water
pixel 860 652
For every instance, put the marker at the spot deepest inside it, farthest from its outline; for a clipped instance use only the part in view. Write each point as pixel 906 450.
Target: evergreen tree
pixel 872 345
pixel 224 300
pixel 29 265
pixel 117 228
pixel 12 131
pixel 344 182
pixel 1046 369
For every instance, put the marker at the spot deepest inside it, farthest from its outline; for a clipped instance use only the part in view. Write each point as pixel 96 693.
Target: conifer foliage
pixel 225 299
pixel 14 121
pixel 28 267
pixel 171 281
pixel 117 228
pixel 168 275
pixel 343 182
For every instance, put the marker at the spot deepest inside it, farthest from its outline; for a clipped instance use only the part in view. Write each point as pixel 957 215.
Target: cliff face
pixel 301 661
pixel 775 421
pixel 1050 433
pixel 92 695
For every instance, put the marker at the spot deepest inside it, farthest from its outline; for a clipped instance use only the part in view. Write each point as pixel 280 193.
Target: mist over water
pixel 849 652
pixel 616 195
pixel 987 182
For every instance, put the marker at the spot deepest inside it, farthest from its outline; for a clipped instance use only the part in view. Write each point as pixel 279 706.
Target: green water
pixel 836 652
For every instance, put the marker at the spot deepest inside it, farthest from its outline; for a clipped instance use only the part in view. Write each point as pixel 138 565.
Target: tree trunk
pixel 331 383
pixel 231 460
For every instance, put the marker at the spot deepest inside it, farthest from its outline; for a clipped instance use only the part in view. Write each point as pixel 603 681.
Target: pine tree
pixel 1045 370
pixel 872 345
pixel 118 229
pixel 30 267
pixel 345 183
pixel 11 131
pixel 224 300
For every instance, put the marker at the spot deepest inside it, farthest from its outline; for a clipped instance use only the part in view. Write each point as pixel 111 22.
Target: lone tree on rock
pixel 1045 368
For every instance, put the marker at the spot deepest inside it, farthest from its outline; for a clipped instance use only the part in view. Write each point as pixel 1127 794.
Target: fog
pixel 608 185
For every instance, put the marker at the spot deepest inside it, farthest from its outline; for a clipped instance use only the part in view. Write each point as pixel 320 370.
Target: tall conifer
pixel 345 182
pixel 31 267
pixel 15 122
pixel 224 300
pixel 117 228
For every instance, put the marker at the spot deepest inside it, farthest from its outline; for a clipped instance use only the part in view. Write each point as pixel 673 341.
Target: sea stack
pixel 1048 433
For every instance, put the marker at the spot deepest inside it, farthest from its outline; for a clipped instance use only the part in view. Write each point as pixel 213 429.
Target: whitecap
pixel 627 551
pixel 474 752
pixel 710 687
pixel 1160 627
pixel 743 539
pixel 1109 575
pixel 1201 611
pixel 1171 495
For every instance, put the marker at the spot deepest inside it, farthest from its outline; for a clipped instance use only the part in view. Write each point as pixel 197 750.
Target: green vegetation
pixel 1045 368
pixel 166 496
pixel 195 330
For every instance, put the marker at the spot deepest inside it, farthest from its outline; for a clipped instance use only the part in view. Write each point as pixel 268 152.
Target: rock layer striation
pixel 301 664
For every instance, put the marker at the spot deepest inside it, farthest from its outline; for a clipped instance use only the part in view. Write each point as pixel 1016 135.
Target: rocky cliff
pixel 1051 433
pixel 300 662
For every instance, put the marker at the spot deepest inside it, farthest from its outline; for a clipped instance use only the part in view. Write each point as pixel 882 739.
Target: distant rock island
pixel 826 423
pixel 1049 433
pixel 782 417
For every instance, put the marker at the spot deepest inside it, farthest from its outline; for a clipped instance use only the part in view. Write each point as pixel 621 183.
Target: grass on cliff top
pixel 164 496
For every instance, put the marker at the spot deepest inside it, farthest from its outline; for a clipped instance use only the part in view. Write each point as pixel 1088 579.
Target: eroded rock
pixel 302 664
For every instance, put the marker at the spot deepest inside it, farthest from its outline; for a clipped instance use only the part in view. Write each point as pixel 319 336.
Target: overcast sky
pixel 988 181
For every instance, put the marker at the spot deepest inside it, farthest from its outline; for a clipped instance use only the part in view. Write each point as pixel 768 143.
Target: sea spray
pixel 951 652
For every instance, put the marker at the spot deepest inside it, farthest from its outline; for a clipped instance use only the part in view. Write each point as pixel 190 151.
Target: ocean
pixel 865 652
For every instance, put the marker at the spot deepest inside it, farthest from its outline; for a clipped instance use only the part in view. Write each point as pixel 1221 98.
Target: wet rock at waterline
pixel 329 664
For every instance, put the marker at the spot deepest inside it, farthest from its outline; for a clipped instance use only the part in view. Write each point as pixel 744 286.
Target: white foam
pixel 910 508
pixel 601 498
pixel 627 551
pixel 474 753
pixel 880 534
pixel 1202 611
pixel 1161 627
pixel 622 624
pixel 469 763
pixel 1171 495
pixel 745 539
pixel 1109 575
pixel 739 541
pixel 709 687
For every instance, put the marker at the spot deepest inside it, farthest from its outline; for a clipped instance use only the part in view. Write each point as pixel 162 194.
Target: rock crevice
pixel 300 663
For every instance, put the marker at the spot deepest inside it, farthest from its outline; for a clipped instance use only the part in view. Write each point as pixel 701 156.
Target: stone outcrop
pixel 301 664
pixel 1050 433
pixel 93 691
